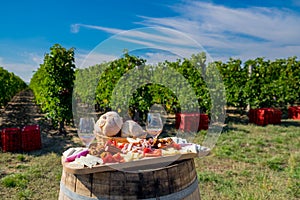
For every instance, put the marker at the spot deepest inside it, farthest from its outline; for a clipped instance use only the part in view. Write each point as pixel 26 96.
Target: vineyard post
pixel 250 69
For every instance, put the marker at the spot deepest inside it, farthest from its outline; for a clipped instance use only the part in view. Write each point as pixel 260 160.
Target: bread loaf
pixel 132 129
pixel 109 124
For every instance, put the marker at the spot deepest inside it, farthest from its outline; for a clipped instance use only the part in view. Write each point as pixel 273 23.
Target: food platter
pixel 130 155
pixel 126 146
pixel 136 165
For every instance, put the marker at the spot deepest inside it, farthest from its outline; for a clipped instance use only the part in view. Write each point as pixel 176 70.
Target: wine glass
pixel 86 130
pixel 154 125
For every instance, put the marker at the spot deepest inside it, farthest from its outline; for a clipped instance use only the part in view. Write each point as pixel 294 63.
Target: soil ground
pixel 22 110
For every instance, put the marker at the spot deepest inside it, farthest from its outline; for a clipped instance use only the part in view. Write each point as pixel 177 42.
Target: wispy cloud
pixel 21 68
pixel 160 38
pixel 75 28
pixel 140 35
pixel 224 31
pixel 252 31
pixel 154 58
pixel 85 59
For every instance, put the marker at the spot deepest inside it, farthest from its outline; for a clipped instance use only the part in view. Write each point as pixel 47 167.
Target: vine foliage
pixel 10 86
pixel 53 84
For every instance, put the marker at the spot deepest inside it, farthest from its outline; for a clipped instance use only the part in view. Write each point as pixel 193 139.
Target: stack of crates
pixel 26 139
pixel 11 140
pixel 294 112
pixel 191 122
pixel 31 138
pixel 265 116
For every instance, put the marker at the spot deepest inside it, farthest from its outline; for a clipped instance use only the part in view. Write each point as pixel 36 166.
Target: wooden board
pixel 148 163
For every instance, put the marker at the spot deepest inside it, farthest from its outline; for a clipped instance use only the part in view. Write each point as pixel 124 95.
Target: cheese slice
pixel 88 161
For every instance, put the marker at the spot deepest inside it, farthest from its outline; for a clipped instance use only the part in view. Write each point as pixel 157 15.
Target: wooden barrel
pixel 174 182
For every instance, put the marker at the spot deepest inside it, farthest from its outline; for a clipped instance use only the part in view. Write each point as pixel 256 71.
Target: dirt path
pixel 21 111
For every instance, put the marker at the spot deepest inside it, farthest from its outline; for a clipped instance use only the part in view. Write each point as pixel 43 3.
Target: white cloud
pixel 154 58
pixel 76 27
pixel 159 38
pixel 36 58
pixel 24 71
pixel 140 35
pixel 85 59
pixel 244 33
pixel 23 68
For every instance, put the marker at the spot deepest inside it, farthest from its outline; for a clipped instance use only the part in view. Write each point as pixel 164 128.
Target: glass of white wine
pixel 154 125
pixel 86 130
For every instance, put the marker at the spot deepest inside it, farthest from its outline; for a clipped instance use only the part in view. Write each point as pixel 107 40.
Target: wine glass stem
pixel 156 136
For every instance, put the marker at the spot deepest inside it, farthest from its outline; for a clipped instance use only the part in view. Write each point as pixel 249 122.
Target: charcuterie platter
pixel 142 164
pixel 133 155
pixel 130 151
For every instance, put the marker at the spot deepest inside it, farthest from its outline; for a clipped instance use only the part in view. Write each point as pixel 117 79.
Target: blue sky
pixel 224 29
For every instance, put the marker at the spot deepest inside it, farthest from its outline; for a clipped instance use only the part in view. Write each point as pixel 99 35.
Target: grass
pixel 36 174
pixel 36 179
pixel 253 162
pixel 248 162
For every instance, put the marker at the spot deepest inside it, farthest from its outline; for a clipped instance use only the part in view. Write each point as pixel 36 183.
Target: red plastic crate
pixel 11 140
pixel 276 116
pixel 252 115
pixel 265 116
pixel 177 120
pixel 204 121
pixel 31 138
pixel 294 112
pixel 188 122
pixel 191 122
pixel 262 117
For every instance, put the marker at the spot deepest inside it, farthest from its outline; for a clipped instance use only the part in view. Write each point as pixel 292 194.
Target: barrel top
pixel 136 165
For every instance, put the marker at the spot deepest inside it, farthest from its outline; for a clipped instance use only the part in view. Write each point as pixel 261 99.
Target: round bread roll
pixel 132 129
pixel 109 124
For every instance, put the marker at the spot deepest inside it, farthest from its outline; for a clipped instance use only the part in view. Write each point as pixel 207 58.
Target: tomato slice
pixel 147 150
pixel 108 158
pixel 108 143
pixel 121 145
pixel 176 146
pixel 117 157
pixel 154 153
pixel 114 142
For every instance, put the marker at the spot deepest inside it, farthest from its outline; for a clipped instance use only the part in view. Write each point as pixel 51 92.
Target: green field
pixel 248 162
